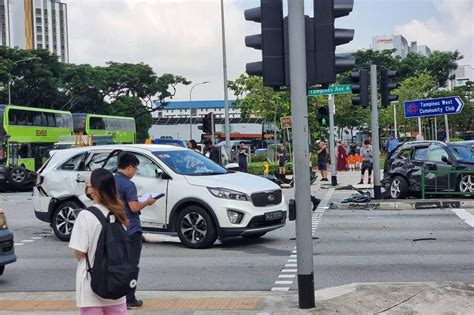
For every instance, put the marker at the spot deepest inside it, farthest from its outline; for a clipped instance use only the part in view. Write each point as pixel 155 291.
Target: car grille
pixel 259 221
pixel 6 246
pixel 267 198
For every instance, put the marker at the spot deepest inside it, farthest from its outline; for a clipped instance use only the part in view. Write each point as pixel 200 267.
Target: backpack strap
pixel 103 220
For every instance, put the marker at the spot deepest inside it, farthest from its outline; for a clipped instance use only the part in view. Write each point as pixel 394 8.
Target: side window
pixel 111 164
pixel 146 168
pixel 73 163
pixel 420 153
pixel 97 161
pixel 435 152
pixel 405 154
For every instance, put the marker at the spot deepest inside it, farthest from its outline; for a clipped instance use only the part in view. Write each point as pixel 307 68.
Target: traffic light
pixel 323 116
pixel 386 85
pixel 207 124
pixel 270 41
pixel 360 85
pixel 326 38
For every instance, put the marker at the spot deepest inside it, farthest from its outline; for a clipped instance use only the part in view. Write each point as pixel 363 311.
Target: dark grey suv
pixel 448 167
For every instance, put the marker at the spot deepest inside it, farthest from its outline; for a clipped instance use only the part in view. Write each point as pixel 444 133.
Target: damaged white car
pixel 203 201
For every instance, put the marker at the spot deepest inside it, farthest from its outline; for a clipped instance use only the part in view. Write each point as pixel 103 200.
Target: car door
pixel 417 163
pixel 437 171
pixel 148 179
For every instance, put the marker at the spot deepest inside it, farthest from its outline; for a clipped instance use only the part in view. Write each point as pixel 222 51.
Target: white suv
pixel 202 200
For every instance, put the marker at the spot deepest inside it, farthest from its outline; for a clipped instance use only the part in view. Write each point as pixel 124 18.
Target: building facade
pixel 182 109
pixel 400 44
pixel 463 74
pixel 35 24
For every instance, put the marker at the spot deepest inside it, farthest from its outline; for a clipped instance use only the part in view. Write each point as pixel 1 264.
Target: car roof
pixel 145 147
pixel 423 142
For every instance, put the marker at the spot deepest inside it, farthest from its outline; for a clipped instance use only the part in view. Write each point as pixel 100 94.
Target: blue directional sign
pixel 433 107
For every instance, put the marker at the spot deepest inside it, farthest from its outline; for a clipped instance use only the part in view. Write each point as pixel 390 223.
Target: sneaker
pixel 134 303
pixel 361 182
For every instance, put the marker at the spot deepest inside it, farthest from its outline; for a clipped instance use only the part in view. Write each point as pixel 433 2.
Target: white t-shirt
pixel 84 237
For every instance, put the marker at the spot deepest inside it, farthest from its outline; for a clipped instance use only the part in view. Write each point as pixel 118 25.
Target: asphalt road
pixel 353 246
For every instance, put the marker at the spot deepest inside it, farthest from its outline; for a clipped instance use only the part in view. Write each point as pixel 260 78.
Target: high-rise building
pixel 397 42
pixel 35 24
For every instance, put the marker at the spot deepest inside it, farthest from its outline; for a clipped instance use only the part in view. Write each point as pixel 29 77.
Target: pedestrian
pixel 84 237
pixel 282 159
pixel 127 168
pixel 192 145
pixel 243 154
pixel 392 143
pixel 212 152
pixel 322 161
pixel 367 161
pixel 341 157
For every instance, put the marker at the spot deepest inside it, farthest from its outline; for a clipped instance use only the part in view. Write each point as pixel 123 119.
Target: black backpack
pixel 113 274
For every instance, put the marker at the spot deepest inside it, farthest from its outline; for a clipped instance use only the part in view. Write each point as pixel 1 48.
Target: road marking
pixel 291 265
pixel 280 289
pixel 289 270
pixel 287 276
pixel 19 244
pixel 292 256
pixel 283 282
pixel 27 241
pixel 292 260
pixel 465 216
pixel 36 238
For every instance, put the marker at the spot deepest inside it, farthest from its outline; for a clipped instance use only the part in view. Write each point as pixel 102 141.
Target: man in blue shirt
pixel 392 143
pixel 127 168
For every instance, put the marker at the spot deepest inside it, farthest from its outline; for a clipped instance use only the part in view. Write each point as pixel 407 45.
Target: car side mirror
pixel 158 173
pixel 445 160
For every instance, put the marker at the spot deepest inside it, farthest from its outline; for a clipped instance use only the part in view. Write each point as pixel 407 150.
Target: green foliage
pixel 257 168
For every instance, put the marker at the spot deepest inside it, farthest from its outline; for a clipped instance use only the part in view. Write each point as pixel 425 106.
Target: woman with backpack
pixel 85 235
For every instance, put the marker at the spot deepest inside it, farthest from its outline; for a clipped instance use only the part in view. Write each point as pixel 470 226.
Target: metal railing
pixel 452 188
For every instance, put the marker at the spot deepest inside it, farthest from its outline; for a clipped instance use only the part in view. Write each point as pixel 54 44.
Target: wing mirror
pixel 158 173
pixel 445 160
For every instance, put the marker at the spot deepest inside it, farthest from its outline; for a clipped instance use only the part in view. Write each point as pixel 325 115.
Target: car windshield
pixel 464 152
pixel 189 162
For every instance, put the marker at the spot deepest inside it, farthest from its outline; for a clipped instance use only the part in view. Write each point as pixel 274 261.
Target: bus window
pixel 51 120
pixel 97 123
pixel 29 118
pixel 79 122
pixel 12 117
pixel 36 119
pixel 21 117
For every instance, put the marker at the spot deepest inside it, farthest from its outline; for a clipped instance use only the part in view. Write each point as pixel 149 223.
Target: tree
pixel 133 104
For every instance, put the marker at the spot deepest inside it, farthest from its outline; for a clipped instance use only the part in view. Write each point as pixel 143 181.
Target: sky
pixel 183 37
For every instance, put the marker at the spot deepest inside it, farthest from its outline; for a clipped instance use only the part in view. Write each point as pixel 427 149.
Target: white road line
pixel 27 241
pixel 37 238
pixel 283 282
pixel 291 265
pixel 292 260
pixel 287 276
pixel 289 270
pixel 19 244
pixel 465 216
pixel 292 256
pixel 281 289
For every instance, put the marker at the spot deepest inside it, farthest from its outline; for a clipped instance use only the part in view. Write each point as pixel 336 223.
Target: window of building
pixel 38 11
pixel 38 20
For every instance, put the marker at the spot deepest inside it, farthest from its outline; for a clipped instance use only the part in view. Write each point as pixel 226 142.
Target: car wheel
pixel 254 236
pixel 196 228
pixel 63 219
pixel 466 184
pixel 18 175
pixel 398 188
pixel 2 269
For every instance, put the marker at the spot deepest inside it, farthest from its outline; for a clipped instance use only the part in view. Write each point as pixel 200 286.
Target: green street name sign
pixel 333 89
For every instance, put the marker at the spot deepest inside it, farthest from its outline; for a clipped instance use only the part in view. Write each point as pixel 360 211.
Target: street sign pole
pixel 436 128
pixel 375 132
pixel 447 127
pixel 420 132
pixel 395 120
pixel 299 111
pixel 332 148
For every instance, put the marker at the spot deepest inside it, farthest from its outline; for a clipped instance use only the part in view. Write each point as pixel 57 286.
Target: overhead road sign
pixel 433 107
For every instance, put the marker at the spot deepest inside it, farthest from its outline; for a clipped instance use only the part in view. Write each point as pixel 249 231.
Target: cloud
pixel 452 29
pixel 180 37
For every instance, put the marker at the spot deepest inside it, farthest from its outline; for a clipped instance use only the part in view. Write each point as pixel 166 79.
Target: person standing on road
pixel 243 154
pixel 367 161
pixel 212 152
pixel 341 157
pixel 85 235
pixel 282 159
pixel 127 168
pixel 322 161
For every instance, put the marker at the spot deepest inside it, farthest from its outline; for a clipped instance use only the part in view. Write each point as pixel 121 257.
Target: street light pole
pixel 10 77
pixel 226 96
pixel 190 109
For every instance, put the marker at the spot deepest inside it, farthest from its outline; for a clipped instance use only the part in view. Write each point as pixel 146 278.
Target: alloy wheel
pixel 467 184
pixel 65 220
pixel 18 175
pixel 194 227
pixel 395 188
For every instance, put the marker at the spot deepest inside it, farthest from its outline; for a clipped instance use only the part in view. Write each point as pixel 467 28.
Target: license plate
pixel 273 215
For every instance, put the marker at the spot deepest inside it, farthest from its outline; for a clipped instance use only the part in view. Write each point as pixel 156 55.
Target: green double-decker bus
pixel 122 129
pixel 28 134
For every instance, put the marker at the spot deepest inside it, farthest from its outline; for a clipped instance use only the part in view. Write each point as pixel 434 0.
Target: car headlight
pixel 228 194
pixel 235 217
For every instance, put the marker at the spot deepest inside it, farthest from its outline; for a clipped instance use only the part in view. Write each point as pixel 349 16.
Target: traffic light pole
pixel 375 132
pixel 332 148
pixel 299 111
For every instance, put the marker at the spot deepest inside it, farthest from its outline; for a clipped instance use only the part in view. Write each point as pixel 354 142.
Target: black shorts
pixel 322 165
pixel 367 166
